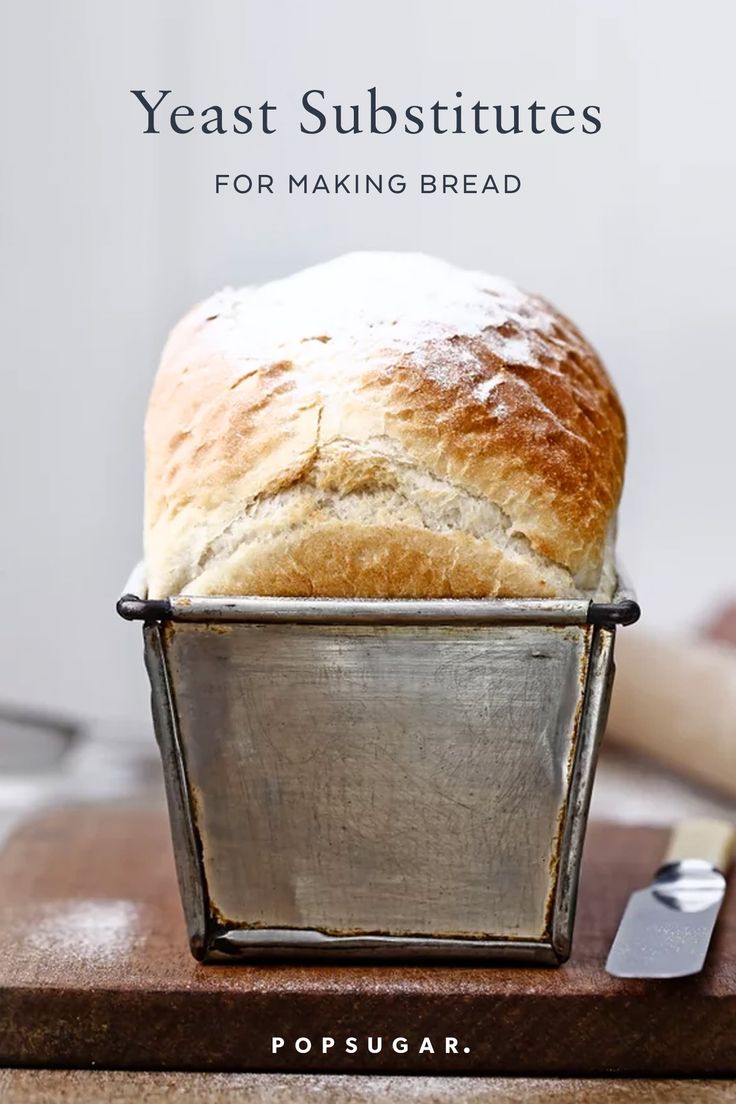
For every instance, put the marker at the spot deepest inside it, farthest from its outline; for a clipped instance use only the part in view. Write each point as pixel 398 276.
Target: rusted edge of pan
pixel 185 838
pixel 597 695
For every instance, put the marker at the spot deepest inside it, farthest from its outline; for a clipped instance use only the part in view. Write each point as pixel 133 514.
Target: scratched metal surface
pixel 373 779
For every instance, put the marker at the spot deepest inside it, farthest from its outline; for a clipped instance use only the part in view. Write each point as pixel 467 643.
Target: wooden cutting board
pixel 95 972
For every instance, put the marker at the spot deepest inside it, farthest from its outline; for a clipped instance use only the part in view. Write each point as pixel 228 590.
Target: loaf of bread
pixel 383 425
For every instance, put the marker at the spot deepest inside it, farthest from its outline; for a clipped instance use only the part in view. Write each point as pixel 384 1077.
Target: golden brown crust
pixel 383 425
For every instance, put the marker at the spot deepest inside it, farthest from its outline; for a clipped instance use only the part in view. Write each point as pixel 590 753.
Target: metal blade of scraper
pixel 666 928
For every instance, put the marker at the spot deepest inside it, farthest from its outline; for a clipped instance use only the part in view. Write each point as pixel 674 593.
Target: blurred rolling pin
pixel 675 700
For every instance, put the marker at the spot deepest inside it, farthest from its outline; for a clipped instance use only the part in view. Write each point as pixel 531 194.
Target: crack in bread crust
pixel 361 485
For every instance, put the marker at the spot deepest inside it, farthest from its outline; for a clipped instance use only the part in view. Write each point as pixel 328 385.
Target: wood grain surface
pixel 95 972
pixel 28 1086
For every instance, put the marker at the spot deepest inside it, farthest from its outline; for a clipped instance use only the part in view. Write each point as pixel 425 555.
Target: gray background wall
pixel 108 235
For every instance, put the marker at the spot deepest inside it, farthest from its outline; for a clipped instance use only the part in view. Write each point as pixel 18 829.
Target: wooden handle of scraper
pixel 702 838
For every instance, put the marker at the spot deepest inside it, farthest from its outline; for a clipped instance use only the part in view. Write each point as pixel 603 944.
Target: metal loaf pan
pixel 378 779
